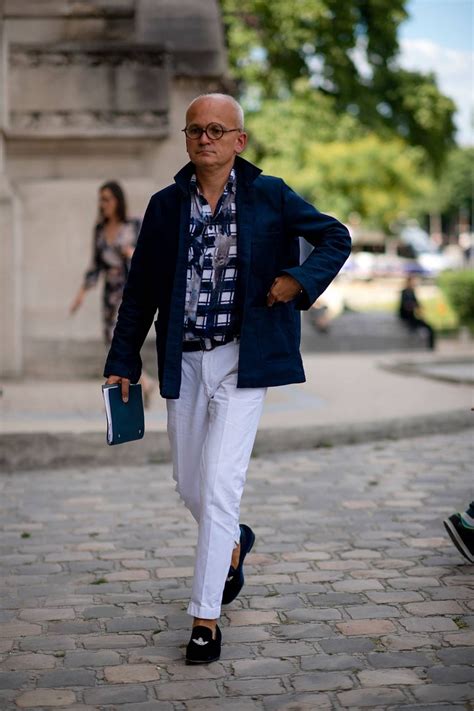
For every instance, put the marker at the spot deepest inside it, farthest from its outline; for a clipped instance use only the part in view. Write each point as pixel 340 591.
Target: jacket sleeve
pixel 139 303
pixel 331 241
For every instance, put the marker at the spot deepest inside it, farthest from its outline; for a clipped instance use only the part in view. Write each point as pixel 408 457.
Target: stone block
pixel 321 681
pixel 130 673
pixel 366 627
pixel 362 698
pixel 67 677
pixel 45 697
pixel 388 677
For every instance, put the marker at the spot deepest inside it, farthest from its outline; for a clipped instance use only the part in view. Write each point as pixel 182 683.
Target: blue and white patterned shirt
pixel 210 307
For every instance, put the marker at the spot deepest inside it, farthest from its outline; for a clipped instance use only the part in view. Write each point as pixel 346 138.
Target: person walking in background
pixel 218 256
pixel 410 311
pixel 114 240
pixel 460 527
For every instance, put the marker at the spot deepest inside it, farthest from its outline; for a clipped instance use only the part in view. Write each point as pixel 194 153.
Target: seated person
pixel 410 311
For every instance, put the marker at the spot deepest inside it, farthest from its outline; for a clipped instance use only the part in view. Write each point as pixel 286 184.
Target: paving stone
pixel 398 659
pixel 45 697
pixel 16 662
pixel 452 674
pixel 82 658
pixel 263 667
pixel 254 687
pixel 388 677
pixel 100 611
pixel 115 694
pixel 457 655
pixel 413 583
pixel 394 597
pixel 331 662
pixel 360 612
pixel 184 690
pixel 244 704
pixel 112 641
pixel 18 629
pixel 286 649
pixel 310 614
pixel 321 681
pixel 434 608
pixel 357 585
pixel 460 639
pixel 407 641
pixel 362 698
pixel 47 643
pixel 428 624
pixel 349 645
pixel 296 702
pixel 252 617
pixel 127 673
pixel 368 627
pixel 127 575
pixel 14 679
pixel 132 624
pixel 74 627
pixel 148 706
pixel 444 692
pixel 67 677
pixel 309 631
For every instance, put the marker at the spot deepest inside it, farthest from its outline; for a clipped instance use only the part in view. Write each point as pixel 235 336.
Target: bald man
pixel 218 258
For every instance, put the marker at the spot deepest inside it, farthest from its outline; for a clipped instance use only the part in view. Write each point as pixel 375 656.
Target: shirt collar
pixel 229 186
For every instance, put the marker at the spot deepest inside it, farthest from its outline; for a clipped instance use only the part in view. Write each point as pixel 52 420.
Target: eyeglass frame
pixel 204 130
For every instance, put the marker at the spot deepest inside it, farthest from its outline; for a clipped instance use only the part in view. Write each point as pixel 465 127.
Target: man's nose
pixel 204 139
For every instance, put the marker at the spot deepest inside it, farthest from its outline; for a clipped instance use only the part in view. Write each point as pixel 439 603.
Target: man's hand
pixel 284 288
pixel 114 379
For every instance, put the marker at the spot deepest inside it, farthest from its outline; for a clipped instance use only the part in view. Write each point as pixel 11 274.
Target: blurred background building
pixel 336 104
pixel 88 92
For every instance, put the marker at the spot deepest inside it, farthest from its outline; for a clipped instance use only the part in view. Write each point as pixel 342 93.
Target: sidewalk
pixel 347 397
pixel 354 596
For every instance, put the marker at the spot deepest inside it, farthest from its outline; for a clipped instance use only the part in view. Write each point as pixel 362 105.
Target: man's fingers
pixel 125 389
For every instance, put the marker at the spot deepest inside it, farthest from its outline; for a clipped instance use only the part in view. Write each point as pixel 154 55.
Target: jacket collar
pixel 246 173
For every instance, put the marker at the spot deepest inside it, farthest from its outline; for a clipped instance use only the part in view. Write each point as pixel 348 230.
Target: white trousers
pixel 212 428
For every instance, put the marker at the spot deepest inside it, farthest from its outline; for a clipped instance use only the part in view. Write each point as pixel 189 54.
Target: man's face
pixel 205 152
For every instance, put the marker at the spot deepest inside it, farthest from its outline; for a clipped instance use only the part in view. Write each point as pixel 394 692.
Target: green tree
pixel 347 50
pixel 336 162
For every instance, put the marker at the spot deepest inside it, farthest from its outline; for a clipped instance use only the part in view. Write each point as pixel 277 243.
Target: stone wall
pixel 89 91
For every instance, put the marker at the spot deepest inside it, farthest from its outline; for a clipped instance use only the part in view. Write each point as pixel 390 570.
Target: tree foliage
pixel 335 162
pixel 346 50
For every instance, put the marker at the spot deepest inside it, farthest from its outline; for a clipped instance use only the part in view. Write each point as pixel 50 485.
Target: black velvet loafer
pixel 235 577
pixel 201 647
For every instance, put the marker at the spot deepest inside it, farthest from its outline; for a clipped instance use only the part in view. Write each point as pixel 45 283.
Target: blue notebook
pixel 125 420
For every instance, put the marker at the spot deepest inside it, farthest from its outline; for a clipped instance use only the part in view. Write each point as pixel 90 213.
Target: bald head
pixel 221 100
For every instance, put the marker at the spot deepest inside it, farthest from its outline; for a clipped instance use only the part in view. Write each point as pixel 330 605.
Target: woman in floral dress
pixel 115 236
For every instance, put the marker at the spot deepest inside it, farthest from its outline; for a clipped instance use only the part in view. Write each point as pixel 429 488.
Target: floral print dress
pixel 112 259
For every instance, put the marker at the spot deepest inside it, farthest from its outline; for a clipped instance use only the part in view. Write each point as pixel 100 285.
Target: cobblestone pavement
pixel 354 595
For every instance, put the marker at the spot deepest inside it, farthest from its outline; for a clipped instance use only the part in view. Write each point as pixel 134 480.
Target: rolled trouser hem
pixel 205 613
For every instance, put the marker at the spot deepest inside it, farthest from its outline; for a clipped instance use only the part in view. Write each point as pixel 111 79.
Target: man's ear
pixel 241 142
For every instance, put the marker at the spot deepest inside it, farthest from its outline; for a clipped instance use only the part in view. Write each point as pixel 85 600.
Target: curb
pixel 42 450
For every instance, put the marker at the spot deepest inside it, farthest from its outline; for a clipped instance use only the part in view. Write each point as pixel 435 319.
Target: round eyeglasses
pixel 213 131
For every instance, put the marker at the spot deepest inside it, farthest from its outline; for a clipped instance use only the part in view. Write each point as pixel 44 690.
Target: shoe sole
pixel 202 661
pixel 457 540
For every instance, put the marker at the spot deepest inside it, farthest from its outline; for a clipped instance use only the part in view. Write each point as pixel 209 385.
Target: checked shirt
pixel 210 308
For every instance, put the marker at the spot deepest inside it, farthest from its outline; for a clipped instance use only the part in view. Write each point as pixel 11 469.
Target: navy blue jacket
pixel 270 218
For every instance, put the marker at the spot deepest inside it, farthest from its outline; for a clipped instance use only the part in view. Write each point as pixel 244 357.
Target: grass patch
pixel 25 534
pixel 460 623
pixel 99 581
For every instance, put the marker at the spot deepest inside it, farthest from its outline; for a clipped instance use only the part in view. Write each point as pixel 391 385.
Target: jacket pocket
pixel 276 332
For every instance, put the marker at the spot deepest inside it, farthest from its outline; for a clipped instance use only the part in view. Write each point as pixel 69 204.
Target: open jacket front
pixel 270 218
